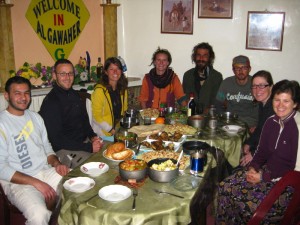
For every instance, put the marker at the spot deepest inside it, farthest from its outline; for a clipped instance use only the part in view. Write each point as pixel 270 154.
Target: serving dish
pixel 126 137
pixel 232 129
pixel 189 147
pixel 118 160
pixel 162 176
pixel 133 169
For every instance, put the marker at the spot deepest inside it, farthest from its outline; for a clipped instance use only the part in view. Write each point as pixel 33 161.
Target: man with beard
pixel 203 80
pixel 30 170
pixel 235 95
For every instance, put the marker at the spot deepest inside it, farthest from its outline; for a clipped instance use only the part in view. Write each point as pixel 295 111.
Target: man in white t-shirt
pixel 30 170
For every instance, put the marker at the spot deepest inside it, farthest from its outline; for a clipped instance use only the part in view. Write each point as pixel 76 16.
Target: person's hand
pixel 113 131
pixel 97 144
pixel 252 129
pixel 47 191
pixel 62 169
pixel 246 159
pixel 246 149
pixel 252 176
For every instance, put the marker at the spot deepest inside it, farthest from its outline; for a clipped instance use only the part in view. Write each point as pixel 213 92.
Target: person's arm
pixel 220 101
pixel 144 94
pixel 59 168
pixel 178 91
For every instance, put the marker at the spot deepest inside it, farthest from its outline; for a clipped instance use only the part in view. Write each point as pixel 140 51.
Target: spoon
pixel 179 158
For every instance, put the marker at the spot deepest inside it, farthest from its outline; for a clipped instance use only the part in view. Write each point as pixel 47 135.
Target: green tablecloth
pixel 230 144
pixel 151 208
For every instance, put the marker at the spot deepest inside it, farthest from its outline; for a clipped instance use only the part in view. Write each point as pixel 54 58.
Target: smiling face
pixel 64 76
pixel 161 63
pixel 261 94
pixel 241 72
pixel 202 58
pixel 283 105
pixel 114 73
pixel 18 98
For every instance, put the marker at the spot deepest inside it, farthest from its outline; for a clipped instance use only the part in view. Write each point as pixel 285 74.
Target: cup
pixel 147 120
pixel 197 163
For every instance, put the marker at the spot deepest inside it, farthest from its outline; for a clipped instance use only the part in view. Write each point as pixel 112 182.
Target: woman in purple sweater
pixel 241 193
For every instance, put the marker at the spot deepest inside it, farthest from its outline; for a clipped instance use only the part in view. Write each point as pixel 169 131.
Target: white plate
pixel 115 160
pixel 114 193
pixel 94 169
pixel 79 184
pixel 232 129
pixel 176 145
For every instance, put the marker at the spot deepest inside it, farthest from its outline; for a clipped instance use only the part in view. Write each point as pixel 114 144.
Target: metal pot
pixel 131 113
pixel 134 174
pixel 228 116
pixel 128 122
pixel 162 176
pixel 197 121
pixel 190 147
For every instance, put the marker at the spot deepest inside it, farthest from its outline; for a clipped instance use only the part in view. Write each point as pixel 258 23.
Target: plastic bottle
pixel 191 106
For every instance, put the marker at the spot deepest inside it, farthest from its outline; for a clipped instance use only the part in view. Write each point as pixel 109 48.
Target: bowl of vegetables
pixel 162 170
pixel 128 138
pixel 176 117
pixel 133 169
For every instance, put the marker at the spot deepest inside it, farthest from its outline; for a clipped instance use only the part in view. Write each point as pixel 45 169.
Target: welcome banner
pixel 58 24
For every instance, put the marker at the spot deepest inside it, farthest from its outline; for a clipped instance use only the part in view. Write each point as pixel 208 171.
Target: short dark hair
pixel 62 61
pixel 265 74
pixel 161 51
pixel 122 82
pixel 285 86
pixel 204 45
pixel 16 80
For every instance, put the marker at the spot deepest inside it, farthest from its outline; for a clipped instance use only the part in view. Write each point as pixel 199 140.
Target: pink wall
pixel 28 47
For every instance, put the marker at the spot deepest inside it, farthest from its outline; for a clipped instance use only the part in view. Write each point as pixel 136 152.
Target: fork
pixel 168 193
pixel 135 193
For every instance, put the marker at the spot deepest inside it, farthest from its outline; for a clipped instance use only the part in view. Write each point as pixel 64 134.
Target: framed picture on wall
pixel 215 9
pixel 265 30
pixel 177 16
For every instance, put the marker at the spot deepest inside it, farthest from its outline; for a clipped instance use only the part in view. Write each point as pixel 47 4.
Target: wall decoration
pixel 265 30
pixel 177 16
pixel 215 9
pixel 58 24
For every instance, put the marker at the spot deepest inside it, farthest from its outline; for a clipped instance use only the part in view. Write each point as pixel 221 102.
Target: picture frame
pixel 265 30
pixel 217 9
pixel 177 16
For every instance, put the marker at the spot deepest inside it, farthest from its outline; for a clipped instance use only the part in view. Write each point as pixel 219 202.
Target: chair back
pixel 292 213
pixel 86 100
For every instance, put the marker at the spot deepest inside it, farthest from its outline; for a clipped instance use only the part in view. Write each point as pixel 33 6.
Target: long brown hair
pixel 122 83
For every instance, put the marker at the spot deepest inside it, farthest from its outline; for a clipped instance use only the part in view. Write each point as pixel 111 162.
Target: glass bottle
pixel 191 106
pixel 99 68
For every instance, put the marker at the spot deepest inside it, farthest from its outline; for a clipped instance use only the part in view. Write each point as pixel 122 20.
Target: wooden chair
pixel 292 213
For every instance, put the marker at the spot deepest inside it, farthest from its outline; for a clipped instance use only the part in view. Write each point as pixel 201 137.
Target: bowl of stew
pixel 133 169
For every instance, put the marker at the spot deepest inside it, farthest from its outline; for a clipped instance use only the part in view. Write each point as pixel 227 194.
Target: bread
pixel 127 153
pixel 114 148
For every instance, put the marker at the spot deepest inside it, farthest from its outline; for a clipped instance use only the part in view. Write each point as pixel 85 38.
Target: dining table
pixel 151 207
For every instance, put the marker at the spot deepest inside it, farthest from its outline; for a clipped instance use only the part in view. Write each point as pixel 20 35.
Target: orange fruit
pixel 160 120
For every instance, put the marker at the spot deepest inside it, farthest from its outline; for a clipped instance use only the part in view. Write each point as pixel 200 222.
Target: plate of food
pixel 232 129
pixel 175 137
pixel 158 145
pixel 149 112
pixel 79 184
pixel 94 169
pixel 117 152
pixel 180 128
pixel 115 193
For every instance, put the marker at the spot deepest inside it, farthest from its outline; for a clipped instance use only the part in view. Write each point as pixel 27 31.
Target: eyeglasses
pixel 244 68
pixel 64 74
pixel 260 86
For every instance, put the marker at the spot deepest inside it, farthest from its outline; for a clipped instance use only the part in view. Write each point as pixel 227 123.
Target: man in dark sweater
pixel 66 119
pixel 203 80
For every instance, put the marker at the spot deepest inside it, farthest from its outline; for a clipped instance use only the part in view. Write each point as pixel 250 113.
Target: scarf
pixel 161 81
pixel 198 78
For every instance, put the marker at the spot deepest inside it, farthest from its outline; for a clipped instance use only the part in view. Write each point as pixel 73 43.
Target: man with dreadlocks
pixel 161 84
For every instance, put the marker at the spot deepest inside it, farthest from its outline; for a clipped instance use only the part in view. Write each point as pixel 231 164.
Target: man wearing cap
pixel 234 94
pixel 66 119
pixel 203 80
